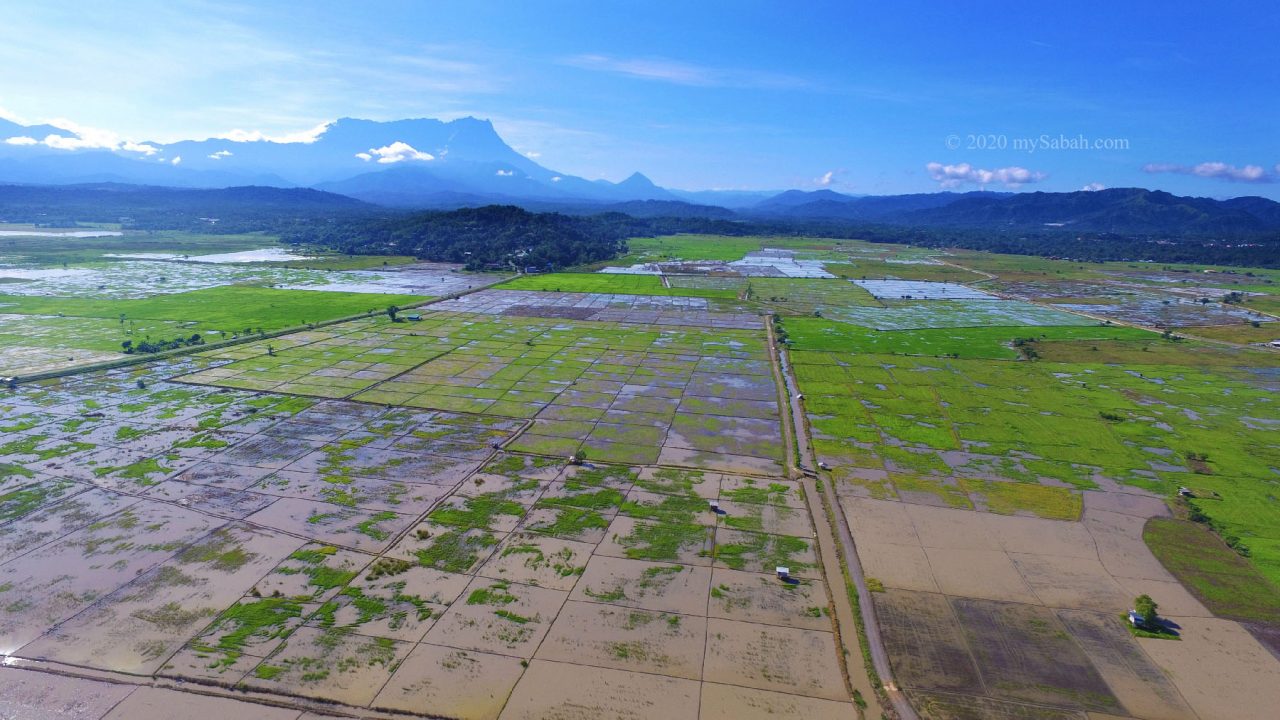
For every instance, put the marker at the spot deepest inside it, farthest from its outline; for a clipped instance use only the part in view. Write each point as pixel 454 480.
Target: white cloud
pixel 239 135
pixel 83 137
pixel 12 117
pixel 506 173
pixel 1094 187
pixel 533 155
pixel 950 176
pixel 59 142
pixel 394 153
pixel 1216 170
pixel 220 154
pixel 177 160
pixel 302 136
pixel 828 178
pixel 682 73
pixel 557 178
pixel 143 148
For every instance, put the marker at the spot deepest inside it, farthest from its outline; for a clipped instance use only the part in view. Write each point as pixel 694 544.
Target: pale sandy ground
pixel 1220 669
pixel 1088 571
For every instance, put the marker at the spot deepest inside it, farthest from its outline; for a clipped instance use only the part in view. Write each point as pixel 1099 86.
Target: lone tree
pixel 1146 607
pixel 392 310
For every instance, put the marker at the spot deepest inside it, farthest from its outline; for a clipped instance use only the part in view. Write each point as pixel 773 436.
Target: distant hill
pixel 827 204
pixel 1120 210
pixel 800 198
pixel 137 206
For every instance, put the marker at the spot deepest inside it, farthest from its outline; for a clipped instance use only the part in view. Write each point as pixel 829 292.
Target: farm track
pixel 836 559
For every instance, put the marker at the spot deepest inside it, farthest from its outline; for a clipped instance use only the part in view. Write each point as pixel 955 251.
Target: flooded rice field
pixel 762 263
pixel 523 502
pixel 422 547
pixel 124 279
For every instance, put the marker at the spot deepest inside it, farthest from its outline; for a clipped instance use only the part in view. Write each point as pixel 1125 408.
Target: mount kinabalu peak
pixel 465 155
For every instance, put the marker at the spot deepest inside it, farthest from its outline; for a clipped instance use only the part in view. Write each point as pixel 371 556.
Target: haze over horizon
pixel 916 98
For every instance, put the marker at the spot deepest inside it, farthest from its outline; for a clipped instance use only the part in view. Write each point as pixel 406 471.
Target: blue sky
pixel 854 96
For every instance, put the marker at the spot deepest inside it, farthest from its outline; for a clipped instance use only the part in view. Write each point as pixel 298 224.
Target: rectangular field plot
pixel 611 283
pixel 624 393
pixel 643 309
pixel 920 290
pixel 21 359
pixel 1024 653
pixel 1163 313
pixel 995 343
pixel 978 312
pixel 805 296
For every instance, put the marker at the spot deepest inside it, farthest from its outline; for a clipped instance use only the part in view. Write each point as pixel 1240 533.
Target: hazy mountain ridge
pixel 349 156
pixel 1119 210
pixel 427 163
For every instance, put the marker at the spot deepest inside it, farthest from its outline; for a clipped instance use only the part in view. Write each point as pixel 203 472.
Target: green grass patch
pixel 477 512
pixel 687 247
pixel 761 553
pixel 662 541
pixel 230 308
pixel 993 343
pixel 1008 498
pixel 611 284
pixel 456 550
pixel 1226 583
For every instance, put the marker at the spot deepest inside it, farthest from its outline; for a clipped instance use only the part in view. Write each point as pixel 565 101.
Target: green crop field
pixel 1226 583
pixel 49 333
pixel 806 333
pixel 612 284
pixel 231 307
pixel 687 247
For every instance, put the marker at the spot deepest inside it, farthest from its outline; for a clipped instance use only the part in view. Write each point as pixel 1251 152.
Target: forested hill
pixel 499 236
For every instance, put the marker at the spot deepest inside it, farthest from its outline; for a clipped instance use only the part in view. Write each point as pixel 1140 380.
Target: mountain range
pixel 426 163
pixel 402 162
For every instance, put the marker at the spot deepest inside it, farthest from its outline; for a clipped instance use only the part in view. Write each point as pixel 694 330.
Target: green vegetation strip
pixel 995 343
pixel 610 284
pixel 1226 583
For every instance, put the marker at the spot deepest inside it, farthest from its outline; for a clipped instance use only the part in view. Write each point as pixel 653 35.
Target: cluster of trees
pixel 497 236
pixel 154 346
pixel 1196 514
pixel 1148 610
pixel 1027 347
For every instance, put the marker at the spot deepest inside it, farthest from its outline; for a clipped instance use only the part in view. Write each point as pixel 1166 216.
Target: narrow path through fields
pixel 824 510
